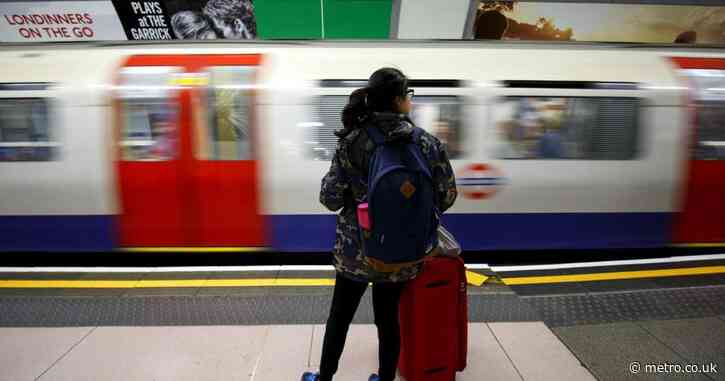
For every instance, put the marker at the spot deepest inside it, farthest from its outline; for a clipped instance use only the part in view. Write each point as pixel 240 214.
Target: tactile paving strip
pixel 569 310
pixel 572 310
pixel 217 310
pixel 555 311
pixel 500 307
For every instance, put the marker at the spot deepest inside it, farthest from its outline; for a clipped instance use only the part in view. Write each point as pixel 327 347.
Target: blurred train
pixel 222 145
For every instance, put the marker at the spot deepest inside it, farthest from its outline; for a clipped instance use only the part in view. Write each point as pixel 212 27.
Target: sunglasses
pixel 409 94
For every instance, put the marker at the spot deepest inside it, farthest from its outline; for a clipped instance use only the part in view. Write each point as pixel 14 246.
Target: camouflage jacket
pixel 345 186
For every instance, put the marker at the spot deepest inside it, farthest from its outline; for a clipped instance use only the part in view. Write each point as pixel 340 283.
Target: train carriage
pixel 221 146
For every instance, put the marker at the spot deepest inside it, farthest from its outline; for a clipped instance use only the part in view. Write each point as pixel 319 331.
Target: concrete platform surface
pixel 497 351
pixel 608 350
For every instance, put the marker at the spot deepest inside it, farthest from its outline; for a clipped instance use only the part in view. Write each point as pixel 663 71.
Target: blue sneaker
pixel 374 377
pixel 309 376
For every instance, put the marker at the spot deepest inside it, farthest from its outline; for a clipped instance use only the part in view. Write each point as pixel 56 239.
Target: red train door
pixel 702 220
pixel 187 168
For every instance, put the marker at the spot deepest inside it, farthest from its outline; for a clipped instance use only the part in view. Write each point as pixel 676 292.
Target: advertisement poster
pixel 59 21
pixel 187 19
pixel 602 22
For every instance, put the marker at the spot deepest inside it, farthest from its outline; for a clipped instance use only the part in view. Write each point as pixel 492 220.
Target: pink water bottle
pixel 363 219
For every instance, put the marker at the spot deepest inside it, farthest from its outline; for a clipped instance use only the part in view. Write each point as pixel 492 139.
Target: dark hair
pixel 379 95
pixel 491 25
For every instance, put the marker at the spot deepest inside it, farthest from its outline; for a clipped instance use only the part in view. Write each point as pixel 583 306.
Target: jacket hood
pixel 393 125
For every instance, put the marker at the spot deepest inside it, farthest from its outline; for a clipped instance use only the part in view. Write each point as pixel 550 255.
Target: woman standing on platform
pixel 384 104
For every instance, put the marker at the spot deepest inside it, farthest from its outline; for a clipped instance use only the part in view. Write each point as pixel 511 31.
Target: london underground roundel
pixel 480 181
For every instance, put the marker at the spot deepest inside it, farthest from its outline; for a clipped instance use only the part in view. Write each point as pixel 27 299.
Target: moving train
pixel 222 145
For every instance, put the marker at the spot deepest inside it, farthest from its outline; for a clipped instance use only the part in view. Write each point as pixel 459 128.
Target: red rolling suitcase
pixel 434 322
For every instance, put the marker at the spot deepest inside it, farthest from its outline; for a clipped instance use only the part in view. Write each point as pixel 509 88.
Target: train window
pixel 24 130
pixel 224 125
pixel 439 115
pixel 149 114
pixel 583 128
pixel 710 131
pixel 709 106
pixel 321 140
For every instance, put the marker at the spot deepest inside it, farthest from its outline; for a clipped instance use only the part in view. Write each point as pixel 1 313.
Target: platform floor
pixel 573 330
pixel 499 351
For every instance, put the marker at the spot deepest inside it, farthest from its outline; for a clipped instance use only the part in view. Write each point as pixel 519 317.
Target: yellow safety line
pixel 715 244
pixel 192 249
pixel 305 282
pixel 240 282
pixel 613 275
pixel 68 283
pixel 169 283
pixel 172 283
pixel 475 278
pixel 269 282
pixel 151 283
pixel 472 277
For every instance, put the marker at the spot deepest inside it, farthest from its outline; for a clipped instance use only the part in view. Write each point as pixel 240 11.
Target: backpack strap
pixel 422 162
pixel 417 133
pixel 375 135
pixel 379 139
pixel 415 151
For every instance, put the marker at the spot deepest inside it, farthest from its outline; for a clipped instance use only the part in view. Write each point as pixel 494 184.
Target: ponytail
pixel 354 112
pixel 379 95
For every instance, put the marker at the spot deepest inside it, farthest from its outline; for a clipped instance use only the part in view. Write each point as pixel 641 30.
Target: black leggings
pixel 345 301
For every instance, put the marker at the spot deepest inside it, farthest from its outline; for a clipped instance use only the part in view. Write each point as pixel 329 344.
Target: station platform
pixel 549 322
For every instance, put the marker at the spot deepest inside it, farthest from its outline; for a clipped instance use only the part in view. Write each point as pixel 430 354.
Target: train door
pixel 703 208
pixel 187 168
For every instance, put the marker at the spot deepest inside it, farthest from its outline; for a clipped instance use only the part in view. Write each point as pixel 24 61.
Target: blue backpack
pixel 401 204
